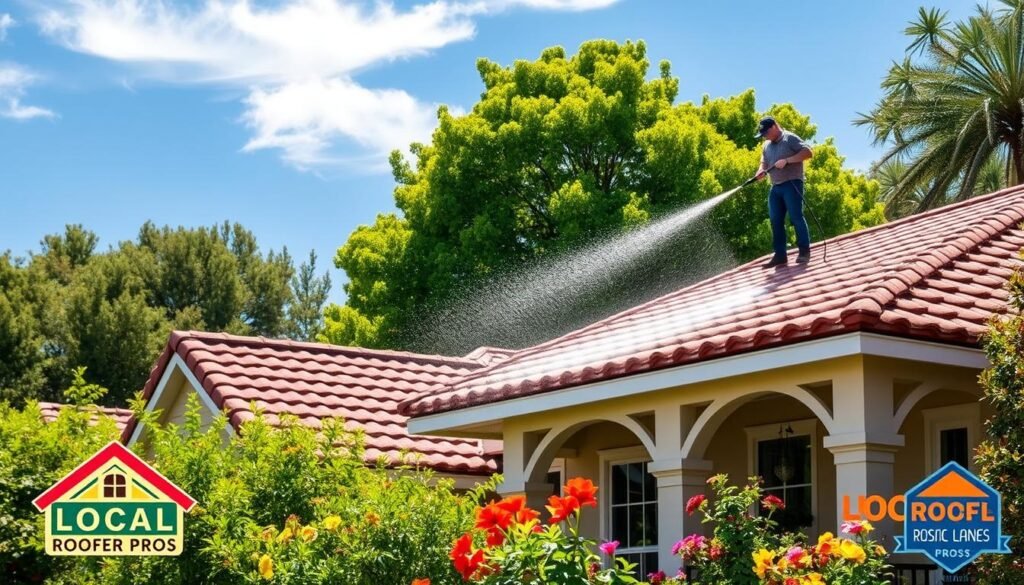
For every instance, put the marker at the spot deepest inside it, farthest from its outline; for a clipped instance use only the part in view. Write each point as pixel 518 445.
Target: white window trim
pixel 607 458
pixel 769 432
pixel 957 416
pixel 558 466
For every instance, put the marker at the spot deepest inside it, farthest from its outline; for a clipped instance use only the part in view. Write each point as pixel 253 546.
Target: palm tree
pixel 953 109
pixel 899 203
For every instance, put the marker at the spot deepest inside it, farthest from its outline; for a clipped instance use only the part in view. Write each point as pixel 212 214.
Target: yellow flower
pixel 812 579
pixel 852 551
pixel 266 567
pixel 308 533
pixel 285 535
pixel 372 519
pixel 763 560
pixel 866 528
pixel 880 550
pixel 331 523
pixel 825 537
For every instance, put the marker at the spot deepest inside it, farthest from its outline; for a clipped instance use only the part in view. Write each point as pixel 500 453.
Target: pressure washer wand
pixel 824 243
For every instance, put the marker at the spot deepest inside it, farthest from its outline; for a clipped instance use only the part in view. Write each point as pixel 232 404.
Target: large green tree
pixel 953 106
pixel 110 312
pixel 556 152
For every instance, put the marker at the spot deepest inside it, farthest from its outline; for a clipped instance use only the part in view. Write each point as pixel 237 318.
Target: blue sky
pixel 279 114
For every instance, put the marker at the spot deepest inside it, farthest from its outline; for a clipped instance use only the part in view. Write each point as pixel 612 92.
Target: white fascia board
pixel 176 363
pixel 757 361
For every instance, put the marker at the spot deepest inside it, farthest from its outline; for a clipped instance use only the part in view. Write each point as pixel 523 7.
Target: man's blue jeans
pixel 788 196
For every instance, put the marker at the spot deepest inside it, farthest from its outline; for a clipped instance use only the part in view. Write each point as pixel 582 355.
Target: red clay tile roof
pixel 314 381
pixel 937 276
pixel 121 416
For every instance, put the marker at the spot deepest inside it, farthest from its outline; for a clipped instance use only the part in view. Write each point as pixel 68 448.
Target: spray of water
pixel 558 294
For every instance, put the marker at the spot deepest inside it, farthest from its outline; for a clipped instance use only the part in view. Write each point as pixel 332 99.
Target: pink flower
pixel 609 547
pixel 796 555
pixel 771 502
pixel 690 546
pixel 694 503
pixel 715 552
pixel 856 527
pixel 657 578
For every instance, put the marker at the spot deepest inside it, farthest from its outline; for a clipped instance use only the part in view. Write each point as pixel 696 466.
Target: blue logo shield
pixel 952 517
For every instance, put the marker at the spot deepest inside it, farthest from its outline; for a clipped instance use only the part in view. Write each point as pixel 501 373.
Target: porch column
pixel 863 439
pixel 678 481
pixel 864 469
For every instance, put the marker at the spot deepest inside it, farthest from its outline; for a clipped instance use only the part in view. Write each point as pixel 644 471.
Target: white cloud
pixel 304 119
pixel 297 58
pixel 13 81
pixel 6 22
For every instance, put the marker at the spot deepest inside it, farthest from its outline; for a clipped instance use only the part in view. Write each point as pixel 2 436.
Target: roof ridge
pixel 178 336
pixel 871 301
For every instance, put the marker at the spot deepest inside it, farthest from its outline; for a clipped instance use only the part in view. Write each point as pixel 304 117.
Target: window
pixel 951 433
pixel 113 486
pixel 632 512
pixel 783 455
pixel 953 446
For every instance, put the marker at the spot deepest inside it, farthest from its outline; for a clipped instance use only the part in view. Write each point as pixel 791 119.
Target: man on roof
pixel 782 160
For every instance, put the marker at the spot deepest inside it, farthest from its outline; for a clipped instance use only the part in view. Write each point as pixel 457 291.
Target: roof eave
pixel 812 350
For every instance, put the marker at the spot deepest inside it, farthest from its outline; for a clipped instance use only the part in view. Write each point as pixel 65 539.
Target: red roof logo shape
pixel 113 451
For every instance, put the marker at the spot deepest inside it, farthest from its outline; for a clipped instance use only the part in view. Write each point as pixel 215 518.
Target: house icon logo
pixel 114 504
pixel 952 517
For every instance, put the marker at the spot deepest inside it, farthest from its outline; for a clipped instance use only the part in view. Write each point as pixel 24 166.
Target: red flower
pixel 467 561
pixel 583 490
pixel 694 503
pixel 771 502
pixel 495 537
pixel 516 506
pixel 420 582
pixel 493 515
pixel 562 508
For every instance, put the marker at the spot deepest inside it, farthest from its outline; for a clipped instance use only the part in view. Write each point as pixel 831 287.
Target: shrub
pixel 725 558
pixel 1001 456
pixel 510 546
pixel 832 561
pixel 295 505
pixel 34 455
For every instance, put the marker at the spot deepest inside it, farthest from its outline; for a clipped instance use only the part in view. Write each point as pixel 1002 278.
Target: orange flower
pixel 583 490
pixel 516 505
pixel 466 559
pixel 420 582
pixel 562 508
pixel 493 515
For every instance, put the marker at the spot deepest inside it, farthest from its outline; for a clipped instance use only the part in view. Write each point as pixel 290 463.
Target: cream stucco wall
pixel 692 431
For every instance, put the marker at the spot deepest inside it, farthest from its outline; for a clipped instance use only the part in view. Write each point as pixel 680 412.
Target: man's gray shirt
pixel 787 145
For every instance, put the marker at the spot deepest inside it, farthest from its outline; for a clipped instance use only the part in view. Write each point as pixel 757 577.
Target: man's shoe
pixel 776 261
pixel 804 257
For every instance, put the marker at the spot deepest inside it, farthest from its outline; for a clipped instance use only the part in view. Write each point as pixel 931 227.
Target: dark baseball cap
pixel 766 123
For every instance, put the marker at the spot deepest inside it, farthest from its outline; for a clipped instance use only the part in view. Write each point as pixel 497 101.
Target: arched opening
pixel 939 425
pixel 776 435
pixel 614 453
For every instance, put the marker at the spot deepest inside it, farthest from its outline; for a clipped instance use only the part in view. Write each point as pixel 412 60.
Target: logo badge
pixel 114 504
pixel 952 517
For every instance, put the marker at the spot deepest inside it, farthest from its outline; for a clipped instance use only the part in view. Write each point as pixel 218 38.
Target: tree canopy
pixel 69 306
pixel 558 151
pixel 952 109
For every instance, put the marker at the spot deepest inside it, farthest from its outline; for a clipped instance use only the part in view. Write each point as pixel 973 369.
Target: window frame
pixel 114 486
pixel 807 427
pixel 944 418
pixel 622 456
